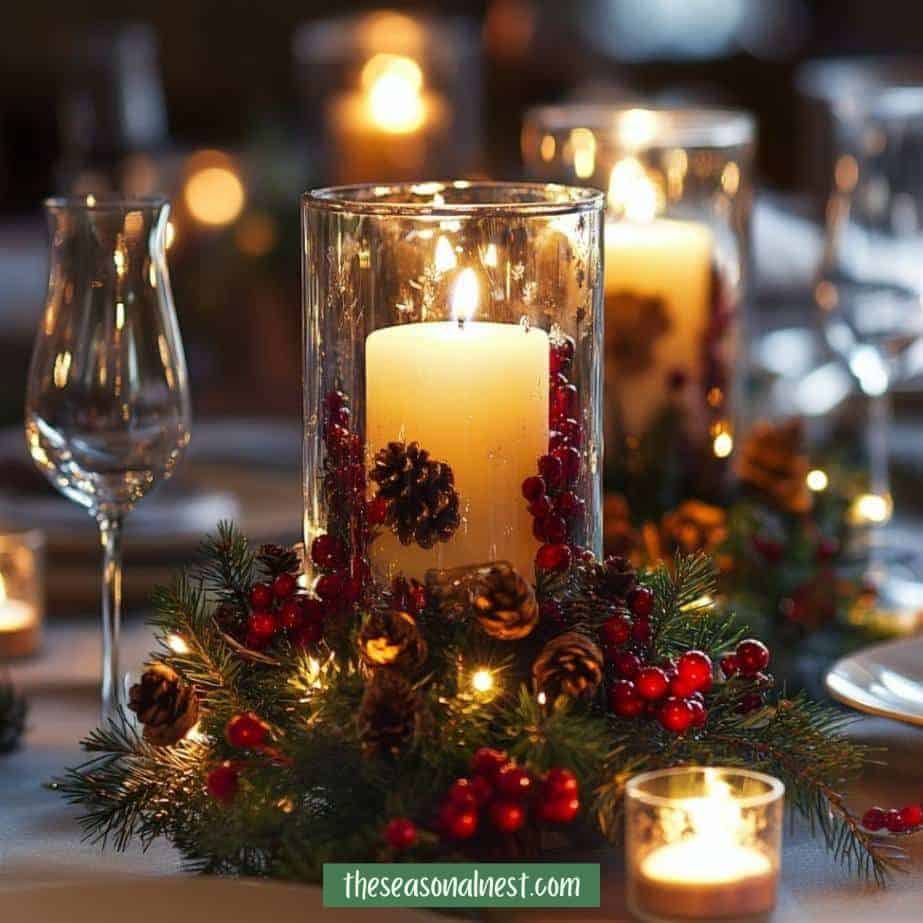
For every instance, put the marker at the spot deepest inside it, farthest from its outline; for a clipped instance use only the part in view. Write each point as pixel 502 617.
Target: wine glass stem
pixel 879 474
pixel 110 533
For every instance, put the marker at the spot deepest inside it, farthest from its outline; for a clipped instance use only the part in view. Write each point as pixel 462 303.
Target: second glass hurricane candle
pixel 675 256
pixel 452 376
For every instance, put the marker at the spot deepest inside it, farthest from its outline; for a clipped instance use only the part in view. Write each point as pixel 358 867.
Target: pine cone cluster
pixel 164 704
pixel 280 559
pixel 391 638
pixel 421 494
pixel 771 463
pixel 570 664
pixel 503 602
pixel 389 714
pixel 614 578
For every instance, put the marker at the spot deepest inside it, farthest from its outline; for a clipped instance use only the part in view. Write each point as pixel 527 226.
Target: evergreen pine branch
pixel 227 569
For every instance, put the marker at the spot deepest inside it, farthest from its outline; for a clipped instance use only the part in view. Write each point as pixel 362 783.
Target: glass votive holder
pixel 676 247
pixel 703 843
pixel 390 96
pixel 22 595
pixel 451 377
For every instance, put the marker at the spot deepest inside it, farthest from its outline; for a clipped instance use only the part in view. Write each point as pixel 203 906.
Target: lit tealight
pixel 817 480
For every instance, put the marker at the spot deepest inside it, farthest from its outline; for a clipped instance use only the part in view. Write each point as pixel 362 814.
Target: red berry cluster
pixel 401 833
pixel 223 781
pixel 555 506
pixel 908 819
pixel 340 584
pixel 507 794
pixel 749 660
pixel 245 731
pixel 278 610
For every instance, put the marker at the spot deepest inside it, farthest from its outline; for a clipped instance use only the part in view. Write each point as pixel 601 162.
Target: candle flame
pixel 465 295
pixel 393 85
pixel 2 589
pixel 633 194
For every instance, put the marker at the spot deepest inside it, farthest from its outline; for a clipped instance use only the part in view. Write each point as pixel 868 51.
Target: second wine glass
pixel 107 405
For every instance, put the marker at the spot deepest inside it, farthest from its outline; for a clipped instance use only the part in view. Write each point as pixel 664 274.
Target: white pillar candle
pixel 669 263
pixel 475 396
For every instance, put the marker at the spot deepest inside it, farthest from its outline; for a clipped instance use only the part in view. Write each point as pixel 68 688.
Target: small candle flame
pixel 465 295
pixel 632 192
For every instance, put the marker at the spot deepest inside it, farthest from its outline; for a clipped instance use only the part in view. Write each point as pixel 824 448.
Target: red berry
pixel 569 458
pixel 750 702
pixel 553 557
pixel 482 790
pixel 752 656
pixel 222 782
pixel 911 816
pixel 560 783
pixel 338 438
pixel 246 730
pixel 334 400
pixel 551 529
pixel 261 596
pixel 893 821
pixel 339 417
pixel 699 713
pixel 624 700
pixel 652 683
pixel 551 469
pixel 561 355
pixel 694 667
pixel 462 796
pixel 401 833
pixel 329 586
pixel 327 552
pixel 488 762
pixel 564 403
pixel 681 688
pixel 541 508
pixel 769 548
pixel 641 631
pixel 262 624
pixel 291 615
pixel 514 781
pixel 729 665
pixel 873 819
pixel 571 432
pixel 560 810
pixel 676 715
pixel 569 505
pixel 461 825
pixel 377 510
pixel 641 602
pixel 616 630
pixel 308 634
pixel 626 664
pixel 284 586
pixel 312 609
pixel 533 488
pixel 507 816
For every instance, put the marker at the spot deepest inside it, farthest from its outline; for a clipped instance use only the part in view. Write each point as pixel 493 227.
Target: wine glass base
pixel 892 600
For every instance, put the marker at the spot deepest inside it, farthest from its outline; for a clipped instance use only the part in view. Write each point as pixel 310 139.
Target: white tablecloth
pixel 40 838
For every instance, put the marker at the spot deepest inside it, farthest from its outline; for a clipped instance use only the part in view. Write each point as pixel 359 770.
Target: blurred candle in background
pixel 21 593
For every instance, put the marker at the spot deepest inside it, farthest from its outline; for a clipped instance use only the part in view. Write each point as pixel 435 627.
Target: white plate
pixel 180 900
pixel 886 680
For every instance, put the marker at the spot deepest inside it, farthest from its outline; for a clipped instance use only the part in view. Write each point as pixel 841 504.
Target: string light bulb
pixel 482 681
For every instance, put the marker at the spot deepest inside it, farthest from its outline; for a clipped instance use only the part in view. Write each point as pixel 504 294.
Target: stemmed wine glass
pixel 107 405
pixel 870 298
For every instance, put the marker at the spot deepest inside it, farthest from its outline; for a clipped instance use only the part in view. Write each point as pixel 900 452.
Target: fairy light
pixel 817 480
pixel 870 509
pixel 482 681
pixel 723 445
pixel 541 698
pixel 177 644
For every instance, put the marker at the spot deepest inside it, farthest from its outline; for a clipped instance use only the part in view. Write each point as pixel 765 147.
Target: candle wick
pixel 461 323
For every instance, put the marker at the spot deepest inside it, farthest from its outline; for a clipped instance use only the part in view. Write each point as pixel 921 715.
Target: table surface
pixel 40 839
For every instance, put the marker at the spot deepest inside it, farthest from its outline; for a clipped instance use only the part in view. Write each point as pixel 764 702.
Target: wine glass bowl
pixel 107 406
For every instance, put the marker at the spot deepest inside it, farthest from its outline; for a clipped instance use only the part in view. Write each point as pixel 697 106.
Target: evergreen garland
pixel 308 791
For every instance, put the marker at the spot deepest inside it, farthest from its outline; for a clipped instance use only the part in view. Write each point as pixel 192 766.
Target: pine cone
pixel 164 704
pixel 390 638
pixel 504 604
pixel 771 463
pixel 614 579
pixel 389 714
pixel 13 711
pixel 421 494
pixel 570 664
pixel 279 559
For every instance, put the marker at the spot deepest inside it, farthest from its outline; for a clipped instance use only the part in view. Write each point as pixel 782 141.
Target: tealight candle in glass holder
pixel 452 379
pixel 675 260
pixel 22 601
pixel 703 843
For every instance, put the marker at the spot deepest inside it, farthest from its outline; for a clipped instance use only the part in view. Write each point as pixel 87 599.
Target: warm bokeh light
pixel 633 194
pixel 870 509
pixel 817 480
pixel 723 445
pixel 445 255
pixel 583 142
pixel 256 234
pixel 213 193
pixel 393 85
pixel 482 681
pixel 177 644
